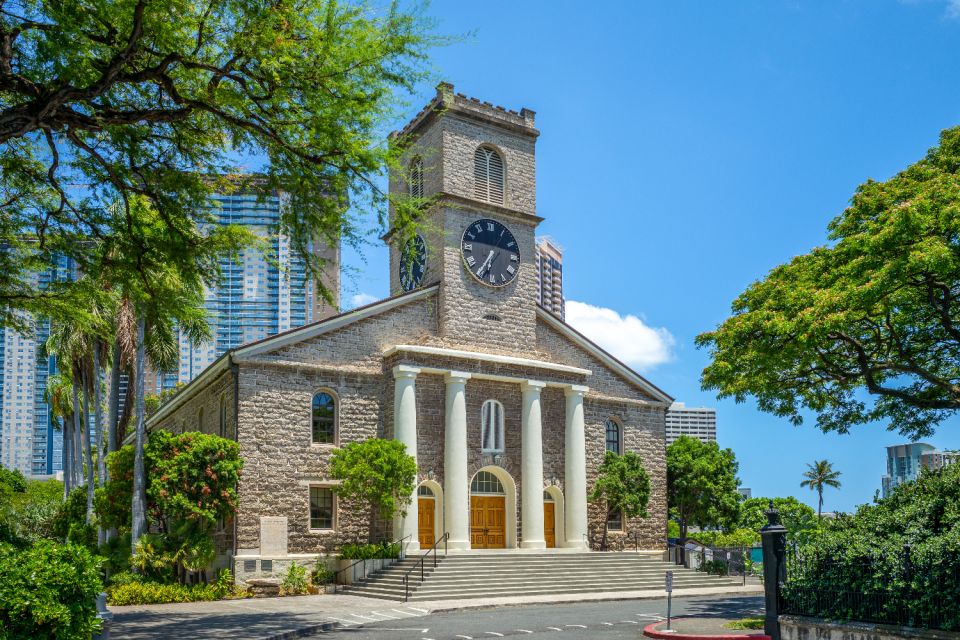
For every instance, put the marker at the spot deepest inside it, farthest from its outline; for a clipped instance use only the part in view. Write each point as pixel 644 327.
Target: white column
pixel 405 430
pixel 456 484
pixel 575 471
pixel 531 469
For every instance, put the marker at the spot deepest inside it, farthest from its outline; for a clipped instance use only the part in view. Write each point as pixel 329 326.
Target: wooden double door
pixel 488 522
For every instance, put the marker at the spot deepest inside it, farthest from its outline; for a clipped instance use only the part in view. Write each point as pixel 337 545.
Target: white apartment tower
pixel 549 263
pixel 696 422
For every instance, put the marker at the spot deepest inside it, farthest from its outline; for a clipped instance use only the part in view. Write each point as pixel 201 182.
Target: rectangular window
pixel 321 508
pixel 615 521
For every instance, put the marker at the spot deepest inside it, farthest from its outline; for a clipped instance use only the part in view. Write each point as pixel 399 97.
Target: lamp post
pixel 774 537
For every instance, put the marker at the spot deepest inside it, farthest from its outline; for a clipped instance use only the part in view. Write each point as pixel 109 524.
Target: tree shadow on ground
pixel 725 607
pixel 236 625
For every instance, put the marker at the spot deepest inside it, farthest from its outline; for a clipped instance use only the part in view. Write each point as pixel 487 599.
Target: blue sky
pixel 687 148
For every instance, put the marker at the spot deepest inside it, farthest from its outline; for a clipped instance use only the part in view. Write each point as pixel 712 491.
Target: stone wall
pixel 803 628
pixel 466 306
pixel 643 432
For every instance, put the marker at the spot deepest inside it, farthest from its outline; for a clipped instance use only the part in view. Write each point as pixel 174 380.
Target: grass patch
pixel 753 622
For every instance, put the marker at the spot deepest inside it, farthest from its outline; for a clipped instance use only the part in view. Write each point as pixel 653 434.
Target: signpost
pixel 669 586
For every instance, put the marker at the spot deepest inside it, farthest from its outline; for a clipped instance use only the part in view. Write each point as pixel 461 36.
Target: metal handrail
pixel 420 563
pixel 403 555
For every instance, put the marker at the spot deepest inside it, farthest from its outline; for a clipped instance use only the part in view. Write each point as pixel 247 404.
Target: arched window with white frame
pixel 416 178
pixel 488 175
pixel 491 421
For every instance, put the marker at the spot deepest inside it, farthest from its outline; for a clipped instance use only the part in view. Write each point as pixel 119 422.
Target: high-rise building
pixel 696 422
pixel 262 293
pixel 28 440
pixel 904 462
pixel 549 263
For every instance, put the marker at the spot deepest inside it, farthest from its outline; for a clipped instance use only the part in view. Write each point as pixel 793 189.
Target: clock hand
pixel 485 265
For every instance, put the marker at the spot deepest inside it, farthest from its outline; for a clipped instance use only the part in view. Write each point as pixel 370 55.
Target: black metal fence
pixel 891 588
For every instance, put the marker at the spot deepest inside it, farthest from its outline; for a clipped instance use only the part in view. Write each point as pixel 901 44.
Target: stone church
pixel 507 410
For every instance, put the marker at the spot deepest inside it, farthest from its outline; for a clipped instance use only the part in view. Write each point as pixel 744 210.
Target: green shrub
pixel 72 511
pixel 740 538
pixel 294 581
pixel 49 591
pixel 864 554
pixel 714 567
pixel 156 593
pixel 129 588
pixel 322 574
pixel 370 551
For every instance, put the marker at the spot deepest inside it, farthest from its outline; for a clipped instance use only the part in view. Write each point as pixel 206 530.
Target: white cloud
pixel 627 338
pixel 953 9
pixel 361 299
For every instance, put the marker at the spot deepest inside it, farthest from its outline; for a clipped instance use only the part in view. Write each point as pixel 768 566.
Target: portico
pixel 456 447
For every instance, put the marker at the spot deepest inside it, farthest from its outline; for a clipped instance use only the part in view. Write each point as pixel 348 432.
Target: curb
pixel 303 632
pixel 651 632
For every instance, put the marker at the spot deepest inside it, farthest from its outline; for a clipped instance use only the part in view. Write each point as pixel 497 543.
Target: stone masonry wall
pixel 461 137
pixel 466 305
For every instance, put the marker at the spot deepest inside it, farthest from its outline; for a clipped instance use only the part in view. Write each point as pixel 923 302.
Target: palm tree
pixel 818 475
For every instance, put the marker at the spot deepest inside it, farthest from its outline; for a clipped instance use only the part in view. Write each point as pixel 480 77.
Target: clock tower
pixel 476 162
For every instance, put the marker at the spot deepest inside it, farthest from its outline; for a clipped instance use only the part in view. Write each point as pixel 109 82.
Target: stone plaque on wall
pixel 273 536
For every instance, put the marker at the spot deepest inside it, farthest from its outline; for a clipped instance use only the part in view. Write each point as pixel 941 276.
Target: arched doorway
pixel 493 509
pixel 553 517
pixel 429 513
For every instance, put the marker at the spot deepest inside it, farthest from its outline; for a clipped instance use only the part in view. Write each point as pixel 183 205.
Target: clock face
pixel 413 263
pixel 490 252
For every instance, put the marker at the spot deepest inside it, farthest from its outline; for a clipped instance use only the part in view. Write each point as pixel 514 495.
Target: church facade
pixel 507 410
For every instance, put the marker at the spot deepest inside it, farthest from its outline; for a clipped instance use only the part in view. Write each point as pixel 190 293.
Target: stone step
pixel 518 574
pixel 644 582
pixel 445 594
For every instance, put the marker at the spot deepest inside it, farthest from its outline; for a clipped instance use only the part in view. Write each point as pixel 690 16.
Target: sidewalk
pixel 301 616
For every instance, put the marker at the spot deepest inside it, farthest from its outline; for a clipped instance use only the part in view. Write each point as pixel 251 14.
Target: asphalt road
pixel 583 621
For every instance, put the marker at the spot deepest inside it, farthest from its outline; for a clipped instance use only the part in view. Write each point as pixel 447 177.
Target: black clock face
pixel 413 263
pixel 490 252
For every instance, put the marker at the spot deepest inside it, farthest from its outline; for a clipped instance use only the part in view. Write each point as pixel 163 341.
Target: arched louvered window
pixel 491 420
pixel 416 178
pixel 488 175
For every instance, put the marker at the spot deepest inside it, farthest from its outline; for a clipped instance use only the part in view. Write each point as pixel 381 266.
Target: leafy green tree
pixel 191 477
pixel 30 513
pixel 376 472
pixel 101 103
pixel 191 483
pixel 818 476
pixel 796 516
pixel 623 486
pixel 49 590
pixel 874 311
pixel 702 484
pixel 864 552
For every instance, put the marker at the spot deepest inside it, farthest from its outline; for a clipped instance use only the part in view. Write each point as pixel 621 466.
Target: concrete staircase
pixel 492 574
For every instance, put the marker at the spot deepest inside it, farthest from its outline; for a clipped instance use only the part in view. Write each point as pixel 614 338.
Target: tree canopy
pixel 866 328
pixel 623 485
pixel 102 103
pixel 376 472
pixel 794 515
pixel 702 484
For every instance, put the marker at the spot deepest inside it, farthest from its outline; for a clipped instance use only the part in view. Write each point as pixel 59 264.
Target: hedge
pixel 49 590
